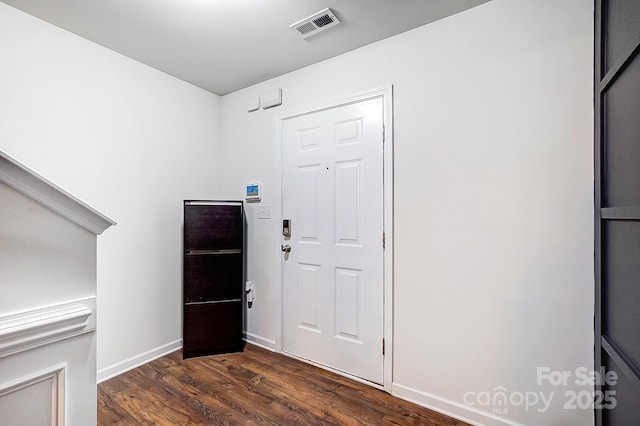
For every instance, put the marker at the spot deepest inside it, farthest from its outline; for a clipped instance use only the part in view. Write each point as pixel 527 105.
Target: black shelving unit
pixel 212 277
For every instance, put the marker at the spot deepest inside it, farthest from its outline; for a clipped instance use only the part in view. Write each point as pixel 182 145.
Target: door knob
pixel 286 248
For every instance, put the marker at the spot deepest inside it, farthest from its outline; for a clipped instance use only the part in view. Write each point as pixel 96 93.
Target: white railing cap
pixel 33 185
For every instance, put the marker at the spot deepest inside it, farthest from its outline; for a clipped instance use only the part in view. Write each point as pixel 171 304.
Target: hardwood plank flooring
pixel 249 388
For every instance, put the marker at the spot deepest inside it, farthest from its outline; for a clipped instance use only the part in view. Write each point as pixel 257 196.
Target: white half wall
pixel 493 201
pixel 48 302
pixel 130 141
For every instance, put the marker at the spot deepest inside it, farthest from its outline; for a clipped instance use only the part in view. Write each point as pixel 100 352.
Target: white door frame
pixel 386 94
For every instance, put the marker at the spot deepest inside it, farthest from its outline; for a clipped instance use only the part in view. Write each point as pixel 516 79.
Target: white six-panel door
pixel 333 278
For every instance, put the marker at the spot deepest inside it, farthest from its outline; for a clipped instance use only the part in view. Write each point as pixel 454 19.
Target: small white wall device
pixel 253 105
pixel 253 192
pixel 271 98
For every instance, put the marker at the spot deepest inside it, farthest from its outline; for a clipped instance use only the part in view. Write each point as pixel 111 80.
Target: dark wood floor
pixel 253 387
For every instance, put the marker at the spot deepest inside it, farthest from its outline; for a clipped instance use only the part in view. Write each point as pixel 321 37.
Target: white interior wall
pixel 45 259
pixel 48 304
pixel 493 199
pixel 129 140
pixel 493 122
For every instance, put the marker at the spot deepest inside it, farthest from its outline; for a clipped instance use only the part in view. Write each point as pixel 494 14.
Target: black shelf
pixel 213 267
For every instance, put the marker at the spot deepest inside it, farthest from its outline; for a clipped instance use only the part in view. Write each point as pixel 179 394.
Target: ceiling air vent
pixel 315 23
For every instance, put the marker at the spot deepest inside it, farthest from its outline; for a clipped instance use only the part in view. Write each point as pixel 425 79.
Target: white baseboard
pixel 450 408
pixel 263 342
pixel 138 360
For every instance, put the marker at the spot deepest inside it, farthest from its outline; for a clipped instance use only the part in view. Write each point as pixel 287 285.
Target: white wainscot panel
pixel 34 399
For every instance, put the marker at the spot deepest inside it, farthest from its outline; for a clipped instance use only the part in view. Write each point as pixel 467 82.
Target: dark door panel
pixel 617 209
pixel 213 328
pixel 212 277
pixel 621 273
pixel 620 29
pixel 626 411
pixel 621 104
pixel 206 228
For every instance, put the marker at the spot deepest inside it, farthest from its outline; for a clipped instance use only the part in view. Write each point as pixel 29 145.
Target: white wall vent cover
pixel 315 23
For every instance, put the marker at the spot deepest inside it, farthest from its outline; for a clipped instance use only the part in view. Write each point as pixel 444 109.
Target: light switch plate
pixel 263 211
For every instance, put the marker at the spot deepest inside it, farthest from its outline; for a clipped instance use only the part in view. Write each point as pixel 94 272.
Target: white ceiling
pixel 226 45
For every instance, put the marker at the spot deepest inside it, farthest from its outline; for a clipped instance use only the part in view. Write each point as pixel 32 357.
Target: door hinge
pixel 382 346
pixel 383 134
pixel 383 240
